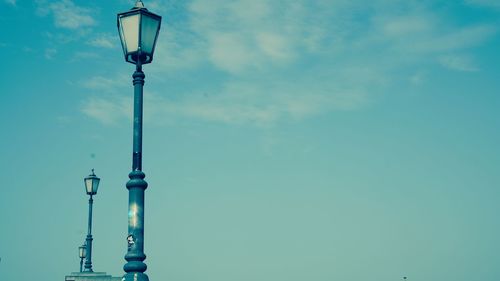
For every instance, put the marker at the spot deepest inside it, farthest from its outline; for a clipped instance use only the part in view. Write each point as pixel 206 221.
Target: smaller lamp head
pixel 82 251
pixel 92 183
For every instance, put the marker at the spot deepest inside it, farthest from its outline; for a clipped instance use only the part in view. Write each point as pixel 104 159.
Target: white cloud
pixel 274 46
pixel 247 35
pixel 85 56
pixel 105 41
pixel 459 63
pixel 282 60
pixel 108 111
pixel 66 14
pixel 107 84
pixel 407 25
pixel 415 36
pixel 239 102
pixel 231 52
pixel 225 108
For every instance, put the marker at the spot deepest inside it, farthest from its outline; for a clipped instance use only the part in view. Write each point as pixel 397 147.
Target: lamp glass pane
pixel 149 31
pixel 88 185
pixel 82 251
pixel 129 28
pixel 95 184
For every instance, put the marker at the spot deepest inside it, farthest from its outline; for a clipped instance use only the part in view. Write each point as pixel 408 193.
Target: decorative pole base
pixel 135 256
pixel 136 276
pixel 88 259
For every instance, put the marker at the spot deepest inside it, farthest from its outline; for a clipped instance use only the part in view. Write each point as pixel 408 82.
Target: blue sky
pixel 283 140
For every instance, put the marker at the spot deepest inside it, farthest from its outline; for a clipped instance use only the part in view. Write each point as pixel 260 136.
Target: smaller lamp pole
pixel 91 185
pixel 88 259
pixel 81 252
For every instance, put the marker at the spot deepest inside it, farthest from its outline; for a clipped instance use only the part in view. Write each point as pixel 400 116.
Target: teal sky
pixel 283 140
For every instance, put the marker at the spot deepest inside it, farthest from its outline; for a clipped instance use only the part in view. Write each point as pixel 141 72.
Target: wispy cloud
pixel 106 84
pixel 253 35
pixel 50 53
pixel 238 102
pixel 416 36
pixel 11 2
pixel 107 111
pixel 263 105
pixel 85 56
pixel 66 14
pixel 104 41
pixel 249 35
pixel 459 63
pixel 288 60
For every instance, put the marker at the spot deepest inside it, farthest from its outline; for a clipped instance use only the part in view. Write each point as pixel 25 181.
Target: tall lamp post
pixel 81 253
pixel 91 185
pixel 138 29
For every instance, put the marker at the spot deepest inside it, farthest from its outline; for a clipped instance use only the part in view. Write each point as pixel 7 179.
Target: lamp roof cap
pixel 139 5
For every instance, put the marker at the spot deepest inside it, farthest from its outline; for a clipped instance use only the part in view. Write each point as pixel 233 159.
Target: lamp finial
pixel 139 4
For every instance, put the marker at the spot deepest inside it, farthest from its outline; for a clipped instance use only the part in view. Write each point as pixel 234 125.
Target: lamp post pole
pixel 136 186
pixel 138 29
pixel 88 259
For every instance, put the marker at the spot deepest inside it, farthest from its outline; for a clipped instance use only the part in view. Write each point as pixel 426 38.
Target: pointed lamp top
pixel 139 5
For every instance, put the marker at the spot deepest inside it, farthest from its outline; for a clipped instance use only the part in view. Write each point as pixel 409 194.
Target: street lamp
pixel 138 29
pixel 82 253
pixel 91 185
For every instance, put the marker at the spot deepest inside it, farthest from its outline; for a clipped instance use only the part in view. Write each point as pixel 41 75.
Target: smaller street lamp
pixel 91 185
pixel 82 253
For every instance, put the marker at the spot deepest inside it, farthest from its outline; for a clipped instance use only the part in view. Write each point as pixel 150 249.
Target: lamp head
pixel 138 29
pixel 82 251
pixel 91 183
